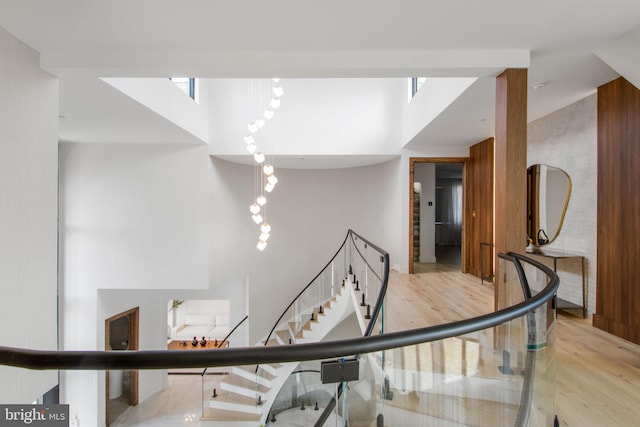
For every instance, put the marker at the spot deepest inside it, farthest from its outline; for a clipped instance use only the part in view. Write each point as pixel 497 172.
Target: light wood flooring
pixel 597 374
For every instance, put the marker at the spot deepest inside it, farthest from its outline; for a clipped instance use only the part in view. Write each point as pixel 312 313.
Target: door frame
pixel 134 343
pixel 412 163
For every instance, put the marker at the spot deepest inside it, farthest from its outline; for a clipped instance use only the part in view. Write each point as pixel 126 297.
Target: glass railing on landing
pixel 501 374
pixel 302 397
pixel 496 367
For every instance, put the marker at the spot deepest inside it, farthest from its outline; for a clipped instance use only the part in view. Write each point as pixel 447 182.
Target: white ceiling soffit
pixel 163 97
pixel 95 112
pixel 623 55
pixel 314 161
pixel 292 64
pixel 469 119
pixel 431 101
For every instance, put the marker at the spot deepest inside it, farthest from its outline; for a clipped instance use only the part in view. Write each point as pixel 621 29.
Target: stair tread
pixel 211 414
pixel 284 335
pixel 231 397
pixel 238 381
pixel 261 372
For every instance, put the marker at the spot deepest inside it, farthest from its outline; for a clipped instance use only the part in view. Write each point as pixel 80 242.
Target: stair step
pixel 226 396
pixel 211 414
pixel 230 401
pixel 249 372
pixel 243 386
pixel 272 368
pixel 283 337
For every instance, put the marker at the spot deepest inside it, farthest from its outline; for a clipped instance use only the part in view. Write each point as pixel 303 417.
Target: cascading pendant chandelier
pixel 265 179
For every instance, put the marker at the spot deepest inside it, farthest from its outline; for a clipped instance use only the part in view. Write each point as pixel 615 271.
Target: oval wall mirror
pixel 548 191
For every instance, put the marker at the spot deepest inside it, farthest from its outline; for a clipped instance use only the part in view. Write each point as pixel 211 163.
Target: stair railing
pixel 378 309
pixel 303 291
pixel 349 264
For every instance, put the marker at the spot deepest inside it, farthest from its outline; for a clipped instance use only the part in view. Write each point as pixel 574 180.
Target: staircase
pixel 246 396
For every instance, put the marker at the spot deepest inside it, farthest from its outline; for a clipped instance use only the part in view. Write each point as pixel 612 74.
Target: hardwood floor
pixel 597 374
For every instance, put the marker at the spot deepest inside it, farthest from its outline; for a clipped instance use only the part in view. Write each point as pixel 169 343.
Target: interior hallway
pixel 597 374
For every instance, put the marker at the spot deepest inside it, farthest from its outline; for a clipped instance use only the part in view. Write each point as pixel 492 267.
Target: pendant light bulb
pixel 257 218
pixel 259 157
pixel 264 236
pixel 251 148
pixel 269 187
pixel 248 139
pixel 261 200
pixel 275 103
pixel 265 227
pixel 267 169
pixel 253 128
pixel 278 91
pixel 260 123
pixel 268 113
pixel 254 208
pixel 272 179
pixel 275 79
pixel 261 245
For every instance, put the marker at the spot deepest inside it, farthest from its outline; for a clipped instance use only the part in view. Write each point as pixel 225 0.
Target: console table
pixel 555 256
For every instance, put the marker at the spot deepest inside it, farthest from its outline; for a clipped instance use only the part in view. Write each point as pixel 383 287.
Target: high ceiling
pixel 571 46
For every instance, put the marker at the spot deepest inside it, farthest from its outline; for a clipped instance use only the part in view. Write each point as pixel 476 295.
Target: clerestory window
pixel 414 85
pixel 188 85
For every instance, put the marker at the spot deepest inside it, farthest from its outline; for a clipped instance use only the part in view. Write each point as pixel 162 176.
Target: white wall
pixel 310 212
pixel 133 216
pixel 425 174
pixel 28 208
pixel 317 116
pixel 567 139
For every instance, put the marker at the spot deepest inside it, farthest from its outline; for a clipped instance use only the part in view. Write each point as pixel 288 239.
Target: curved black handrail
pixel 163 359
pixel 227 338
pixel 377 308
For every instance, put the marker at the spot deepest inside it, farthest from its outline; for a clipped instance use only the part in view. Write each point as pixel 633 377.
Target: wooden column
pixel 618 271
pixel 510 168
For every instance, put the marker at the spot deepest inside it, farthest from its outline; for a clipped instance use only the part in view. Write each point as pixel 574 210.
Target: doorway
pixel 436 219
pixel 121 387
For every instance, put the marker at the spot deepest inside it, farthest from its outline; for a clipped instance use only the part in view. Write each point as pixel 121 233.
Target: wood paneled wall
pixel 618 221
pixel 479 208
